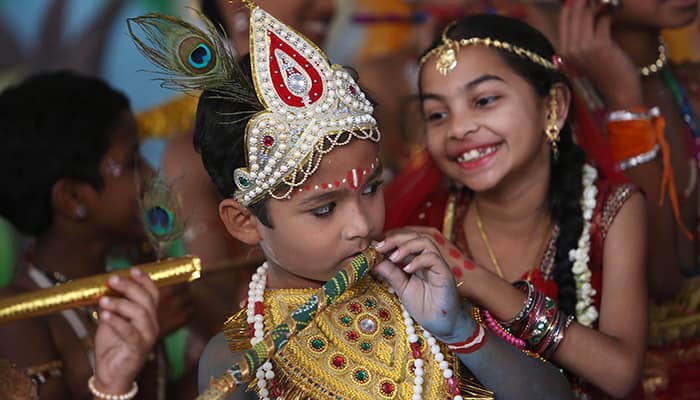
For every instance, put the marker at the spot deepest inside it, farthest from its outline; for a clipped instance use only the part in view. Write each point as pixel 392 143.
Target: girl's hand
pixel 419 275
pixel 127 330
pixel 585 41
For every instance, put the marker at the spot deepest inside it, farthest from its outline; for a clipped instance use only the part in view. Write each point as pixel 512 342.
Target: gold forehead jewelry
pixel 447 52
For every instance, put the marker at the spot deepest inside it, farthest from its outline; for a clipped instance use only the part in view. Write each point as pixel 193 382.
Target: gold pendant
pixel 447 60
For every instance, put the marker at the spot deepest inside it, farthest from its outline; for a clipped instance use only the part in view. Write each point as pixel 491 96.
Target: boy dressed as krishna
pixel 292 146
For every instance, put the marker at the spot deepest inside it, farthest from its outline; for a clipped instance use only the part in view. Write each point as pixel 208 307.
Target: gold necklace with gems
pixel 269 388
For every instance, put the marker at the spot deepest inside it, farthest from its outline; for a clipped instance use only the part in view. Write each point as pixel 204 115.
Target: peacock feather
pixel 192 59
pixel 161 215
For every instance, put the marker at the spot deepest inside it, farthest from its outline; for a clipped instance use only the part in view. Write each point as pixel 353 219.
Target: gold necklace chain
pixel 482 232
pixel 660 62
pixel 489 249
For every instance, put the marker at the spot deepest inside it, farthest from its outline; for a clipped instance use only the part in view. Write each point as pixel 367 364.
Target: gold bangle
pixel 124 396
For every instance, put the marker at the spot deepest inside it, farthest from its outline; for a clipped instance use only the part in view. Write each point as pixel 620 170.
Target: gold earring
pixel 552 130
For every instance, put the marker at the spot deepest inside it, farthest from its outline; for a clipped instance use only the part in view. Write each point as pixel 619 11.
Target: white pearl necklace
pixel 265 373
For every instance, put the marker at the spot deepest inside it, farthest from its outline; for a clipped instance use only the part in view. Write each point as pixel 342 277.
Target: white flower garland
pixel 586 313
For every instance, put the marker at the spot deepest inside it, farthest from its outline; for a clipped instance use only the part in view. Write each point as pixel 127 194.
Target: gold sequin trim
pixel 612 206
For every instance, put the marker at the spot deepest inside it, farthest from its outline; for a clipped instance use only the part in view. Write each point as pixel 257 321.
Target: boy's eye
pixel 486 100
pixel 324 210
pixel 372 189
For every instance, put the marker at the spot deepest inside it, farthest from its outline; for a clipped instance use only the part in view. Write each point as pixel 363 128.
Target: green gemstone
pixel 361 375
pixel 345 320
pixel 243 181
pixel 365 346
pixel 317 344
pixel 388 332
pixel 369 303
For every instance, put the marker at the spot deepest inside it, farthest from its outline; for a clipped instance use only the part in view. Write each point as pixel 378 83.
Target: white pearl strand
pixel 256 290
pixel 265 373
pixel 447 372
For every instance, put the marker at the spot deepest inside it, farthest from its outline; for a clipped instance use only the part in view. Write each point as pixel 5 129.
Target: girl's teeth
pixel 476 153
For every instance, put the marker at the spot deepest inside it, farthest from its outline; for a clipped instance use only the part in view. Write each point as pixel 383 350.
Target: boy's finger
pixel 394 276
pixel 431 264
pixel 412 247
pixel 134 291
pixel 122 328
pixel 147 283
pixel 131 311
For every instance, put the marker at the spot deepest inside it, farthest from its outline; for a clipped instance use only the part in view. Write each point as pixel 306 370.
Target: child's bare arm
pixel 217 357
pixel 428 291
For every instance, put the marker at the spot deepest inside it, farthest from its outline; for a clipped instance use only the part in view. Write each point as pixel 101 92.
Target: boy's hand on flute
pixel 127 330
pixel 417 272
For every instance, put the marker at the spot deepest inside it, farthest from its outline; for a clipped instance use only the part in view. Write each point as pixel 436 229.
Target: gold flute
pixel 88 290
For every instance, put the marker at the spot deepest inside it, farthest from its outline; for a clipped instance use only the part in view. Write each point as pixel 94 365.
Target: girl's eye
pixel 372 189
pixel 436 116
pixel 324 210
pixel 485 101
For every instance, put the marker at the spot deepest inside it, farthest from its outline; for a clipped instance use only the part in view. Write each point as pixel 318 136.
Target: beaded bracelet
pixel 529 289
pixel 544 319
pixel 125 396
pixel 527 324
pixel 502 332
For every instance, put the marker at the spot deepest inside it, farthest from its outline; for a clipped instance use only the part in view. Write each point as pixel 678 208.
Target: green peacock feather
pixel 192 59
pixel 161 215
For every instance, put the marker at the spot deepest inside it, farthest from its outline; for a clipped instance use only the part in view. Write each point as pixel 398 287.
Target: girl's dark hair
pixel 565 187
pixel 52 126
pixel 219 137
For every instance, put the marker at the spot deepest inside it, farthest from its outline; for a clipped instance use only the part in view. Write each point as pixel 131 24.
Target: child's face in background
pixel 656 13
pixel 115 211
pixel 318 230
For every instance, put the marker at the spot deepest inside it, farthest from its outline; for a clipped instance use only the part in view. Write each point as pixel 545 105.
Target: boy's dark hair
pixel 52 126
pixel 219 136
pixel 211 10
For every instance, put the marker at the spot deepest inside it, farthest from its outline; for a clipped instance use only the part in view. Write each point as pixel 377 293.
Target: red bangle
pixel 472 344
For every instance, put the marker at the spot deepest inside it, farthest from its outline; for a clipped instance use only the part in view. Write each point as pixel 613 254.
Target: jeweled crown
pixel 308 104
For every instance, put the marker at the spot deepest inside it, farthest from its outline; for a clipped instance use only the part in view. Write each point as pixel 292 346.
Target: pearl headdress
pixel 307 106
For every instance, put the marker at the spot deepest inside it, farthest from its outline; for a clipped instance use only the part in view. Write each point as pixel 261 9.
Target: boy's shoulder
pixel 214 361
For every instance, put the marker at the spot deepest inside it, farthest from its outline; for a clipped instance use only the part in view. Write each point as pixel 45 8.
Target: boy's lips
pixel 349 258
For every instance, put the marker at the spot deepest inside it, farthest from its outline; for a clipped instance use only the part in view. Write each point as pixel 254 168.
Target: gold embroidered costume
pixel 358 348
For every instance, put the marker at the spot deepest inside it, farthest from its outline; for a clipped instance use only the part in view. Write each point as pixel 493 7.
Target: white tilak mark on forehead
pixel 355 182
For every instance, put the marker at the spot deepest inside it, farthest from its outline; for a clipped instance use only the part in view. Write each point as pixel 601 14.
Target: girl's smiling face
pixel 484 122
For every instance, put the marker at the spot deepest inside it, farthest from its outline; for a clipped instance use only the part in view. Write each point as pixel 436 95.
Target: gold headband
pixel 447 52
